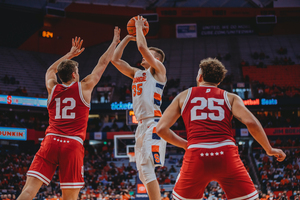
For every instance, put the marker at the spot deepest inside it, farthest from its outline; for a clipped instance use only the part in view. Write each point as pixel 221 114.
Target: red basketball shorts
pixel 208 162
pixel 67 152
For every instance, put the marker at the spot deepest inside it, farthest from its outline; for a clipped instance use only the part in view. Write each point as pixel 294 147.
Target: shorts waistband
pixel 212 145
pixel 66 136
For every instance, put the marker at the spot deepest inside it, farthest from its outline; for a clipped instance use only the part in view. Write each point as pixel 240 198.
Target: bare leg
pixel 31 187
pixel 153 190
pixel 70 194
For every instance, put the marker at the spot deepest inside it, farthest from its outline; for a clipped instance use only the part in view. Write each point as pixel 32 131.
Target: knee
pixel 70 194
pixel 147 174
pixel 141 176
pixel 29 192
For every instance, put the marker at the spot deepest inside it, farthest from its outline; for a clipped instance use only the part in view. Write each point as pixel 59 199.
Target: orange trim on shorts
pixel 157 113
pixel 154 130
pixel 157 96
pixel 155 148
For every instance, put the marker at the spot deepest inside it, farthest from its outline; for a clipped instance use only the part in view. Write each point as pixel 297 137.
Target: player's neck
pixel 69 82
pixel 208 84
pixel 146 67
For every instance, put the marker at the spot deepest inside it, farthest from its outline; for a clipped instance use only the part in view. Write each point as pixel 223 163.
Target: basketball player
pixel 211 153
pixel 68 107
pixel 147 89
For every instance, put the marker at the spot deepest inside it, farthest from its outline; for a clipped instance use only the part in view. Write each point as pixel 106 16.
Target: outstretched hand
pixel 140 22
pixel 131 37
pixel 278 153
pixel 117 32
pixel 76 49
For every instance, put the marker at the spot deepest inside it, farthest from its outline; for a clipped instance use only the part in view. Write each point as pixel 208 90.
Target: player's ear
pixel 73 75
pixel 200 77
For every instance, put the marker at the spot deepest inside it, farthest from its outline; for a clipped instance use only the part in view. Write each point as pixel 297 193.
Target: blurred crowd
pixel 279 176
pixel 260 90
pixel 260 58
pixel 102 178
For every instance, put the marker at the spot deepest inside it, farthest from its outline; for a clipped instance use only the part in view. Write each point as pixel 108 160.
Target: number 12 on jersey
pixel 62 113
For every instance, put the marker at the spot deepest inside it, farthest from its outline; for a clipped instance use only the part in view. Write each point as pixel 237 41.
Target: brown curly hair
pixel 213 70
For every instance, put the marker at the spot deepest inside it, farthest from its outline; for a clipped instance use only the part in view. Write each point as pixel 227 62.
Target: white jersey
pixel 146 95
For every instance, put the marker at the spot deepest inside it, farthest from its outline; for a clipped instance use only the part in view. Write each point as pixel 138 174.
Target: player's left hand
pixel 117 32
pixel 76 49
pixel 140 22
pixel 278 153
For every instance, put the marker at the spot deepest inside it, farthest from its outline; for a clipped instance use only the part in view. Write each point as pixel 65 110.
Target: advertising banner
pixel 186 30
pixel 141 192
pixel 232 29
pixel 23 101
pixel 7 133
pixel 243 132
pixel 282 131
pixel 98 135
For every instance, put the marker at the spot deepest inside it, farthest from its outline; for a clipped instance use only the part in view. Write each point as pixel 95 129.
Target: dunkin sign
pixel 7 133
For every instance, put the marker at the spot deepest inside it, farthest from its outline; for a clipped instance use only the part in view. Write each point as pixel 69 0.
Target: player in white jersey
pixel 147 89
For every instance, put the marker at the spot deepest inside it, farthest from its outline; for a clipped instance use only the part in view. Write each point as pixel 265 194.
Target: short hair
pixel 65 70
pixel 159 53
pixel 213 70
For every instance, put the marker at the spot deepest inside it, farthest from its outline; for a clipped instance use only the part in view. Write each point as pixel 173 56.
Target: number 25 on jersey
pixel 137 89
pixel 61 110
pixel 210 104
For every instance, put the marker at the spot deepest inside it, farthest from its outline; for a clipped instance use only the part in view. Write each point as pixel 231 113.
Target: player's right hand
pixel 76 49
pixel 278 153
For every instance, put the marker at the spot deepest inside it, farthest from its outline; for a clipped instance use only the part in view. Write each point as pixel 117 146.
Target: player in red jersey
pixel 211 154
pixel 68 107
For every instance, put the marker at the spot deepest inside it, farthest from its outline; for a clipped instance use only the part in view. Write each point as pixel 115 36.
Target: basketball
pixel 131 27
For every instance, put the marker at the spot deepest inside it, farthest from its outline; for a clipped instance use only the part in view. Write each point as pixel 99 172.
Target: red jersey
pixel 207 116
pixel 68 111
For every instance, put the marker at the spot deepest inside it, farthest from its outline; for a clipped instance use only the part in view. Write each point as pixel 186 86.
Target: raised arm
pixel 143 48
pixel 89 82
pixel 240 111
pixel 120 64
pixel 50 78
pixel 170 116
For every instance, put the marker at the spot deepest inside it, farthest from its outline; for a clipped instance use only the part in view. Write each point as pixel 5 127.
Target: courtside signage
pixel 98 135
pixel 268 101
pixel 13 133
pixel 23 101
pixel 257 102
pixel 121 106
pixel 186 30
pixel 141 192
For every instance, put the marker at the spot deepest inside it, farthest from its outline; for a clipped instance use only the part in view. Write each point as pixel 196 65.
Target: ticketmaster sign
pixel 13 133
pixel 121 106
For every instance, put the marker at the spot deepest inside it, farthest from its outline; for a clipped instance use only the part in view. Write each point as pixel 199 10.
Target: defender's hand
pixel 76 49
pixel 278 153
pixel 117 32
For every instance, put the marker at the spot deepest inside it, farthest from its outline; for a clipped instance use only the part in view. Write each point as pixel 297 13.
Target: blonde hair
pixel 159 53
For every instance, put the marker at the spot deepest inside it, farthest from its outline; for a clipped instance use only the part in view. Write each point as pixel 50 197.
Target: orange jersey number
pixel 137 89
pixel 156 157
